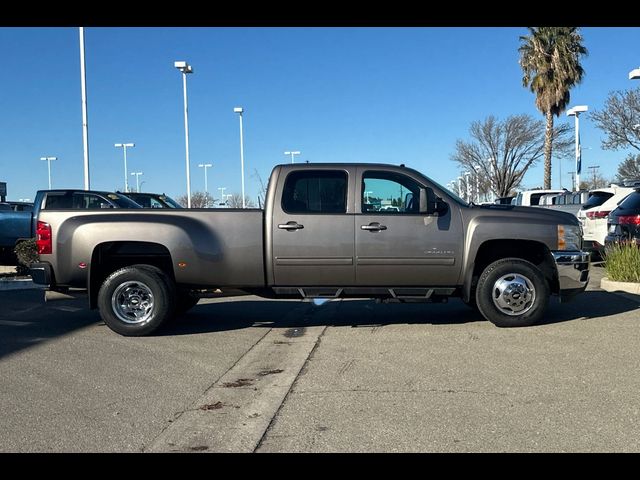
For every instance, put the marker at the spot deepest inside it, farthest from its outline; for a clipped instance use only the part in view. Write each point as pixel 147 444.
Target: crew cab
pixel 319 235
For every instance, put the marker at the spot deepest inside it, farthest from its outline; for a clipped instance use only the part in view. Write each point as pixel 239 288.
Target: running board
pixel 398 293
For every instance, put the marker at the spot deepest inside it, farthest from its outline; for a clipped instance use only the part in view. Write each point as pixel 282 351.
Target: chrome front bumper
pixel 573 272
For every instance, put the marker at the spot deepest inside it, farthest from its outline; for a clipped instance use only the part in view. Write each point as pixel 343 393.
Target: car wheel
pixel 136 300
pixel 512 292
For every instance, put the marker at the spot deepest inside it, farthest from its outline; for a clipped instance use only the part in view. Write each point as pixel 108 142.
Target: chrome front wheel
pixel 513 294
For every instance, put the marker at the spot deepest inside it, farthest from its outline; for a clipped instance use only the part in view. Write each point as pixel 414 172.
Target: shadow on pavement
pixel 27 320
pixel 220 316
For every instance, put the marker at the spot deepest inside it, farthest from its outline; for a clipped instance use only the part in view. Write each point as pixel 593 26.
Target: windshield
pixel 122 201
pixel 171 203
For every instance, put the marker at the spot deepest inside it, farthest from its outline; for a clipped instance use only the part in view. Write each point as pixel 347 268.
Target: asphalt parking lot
pixel 248 374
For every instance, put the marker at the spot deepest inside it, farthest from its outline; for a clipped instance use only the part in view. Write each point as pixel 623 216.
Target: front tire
pixel 136 300
pixel 512 292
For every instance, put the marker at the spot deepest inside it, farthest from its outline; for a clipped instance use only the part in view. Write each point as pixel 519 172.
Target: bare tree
pixel 501 152
pixel 619 120
pixel 198 200
pixel 629 169
pixel 262 194
pixel 235 201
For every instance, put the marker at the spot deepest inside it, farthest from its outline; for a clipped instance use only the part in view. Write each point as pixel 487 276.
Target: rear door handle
pixel 373 227
pixel 290 226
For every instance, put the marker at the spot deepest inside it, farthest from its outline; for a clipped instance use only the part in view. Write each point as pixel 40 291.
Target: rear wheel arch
pixel 108 257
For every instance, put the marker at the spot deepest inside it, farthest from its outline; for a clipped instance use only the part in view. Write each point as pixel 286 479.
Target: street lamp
pixel 467 175
pixel 239 111
pixel 85 122
pixel 205 166
pixel 137 174
pixel 49 159
pixel 292 154
pixel 185 68
pixel 124 148
pixel 222 189
pixel 575 112
pixel 634 74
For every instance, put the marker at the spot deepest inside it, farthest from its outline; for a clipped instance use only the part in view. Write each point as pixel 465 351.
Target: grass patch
pixel 623 262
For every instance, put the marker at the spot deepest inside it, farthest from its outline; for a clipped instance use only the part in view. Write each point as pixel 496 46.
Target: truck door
pixel 312 230
pixel 395 244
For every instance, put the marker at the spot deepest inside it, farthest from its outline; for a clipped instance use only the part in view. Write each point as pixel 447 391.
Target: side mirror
pixel 430 204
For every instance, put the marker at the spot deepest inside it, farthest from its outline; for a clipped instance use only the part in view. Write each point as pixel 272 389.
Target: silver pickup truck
pixel 327 230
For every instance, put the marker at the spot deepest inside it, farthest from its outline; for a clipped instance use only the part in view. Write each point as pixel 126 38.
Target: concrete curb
pixel 630 290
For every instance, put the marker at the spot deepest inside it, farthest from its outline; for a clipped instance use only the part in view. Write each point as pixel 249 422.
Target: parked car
pixel 593 214
pixel 17 206
pixel 18 223
pixel 623 223
pixel 530 198
pixel 152 200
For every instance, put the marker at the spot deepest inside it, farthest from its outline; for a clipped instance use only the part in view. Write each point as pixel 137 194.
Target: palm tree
pixel 550 61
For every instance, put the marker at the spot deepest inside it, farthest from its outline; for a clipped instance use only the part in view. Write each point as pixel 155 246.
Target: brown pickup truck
pixel 327 230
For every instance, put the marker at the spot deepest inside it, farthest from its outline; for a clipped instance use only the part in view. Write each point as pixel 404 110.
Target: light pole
pixel 575 112
pixel 137 174
pixel 49 159
pixel 85 124
pixel 222 189
pixel 124 148
pixel 460 187
pixel 292 153
pixel 573 178
pixel 594 168
pixel 205 166
pixel 239 111
pixel 467 175
pixel 185 68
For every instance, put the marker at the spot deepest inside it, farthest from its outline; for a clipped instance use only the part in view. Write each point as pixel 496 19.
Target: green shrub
pixel 623 262
pixel 26 253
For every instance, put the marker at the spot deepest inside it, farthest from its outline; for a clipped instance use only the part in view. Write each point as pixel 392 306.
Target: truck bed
pixel 209 247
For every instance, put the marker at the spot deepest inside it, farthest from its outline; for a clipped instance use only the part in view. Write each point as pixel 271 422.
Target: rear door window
pixel 596 199
pixel 315 191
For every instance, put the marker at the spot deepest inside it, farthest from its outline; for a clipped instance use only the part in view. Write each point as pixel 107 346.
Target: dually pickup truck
pixel 328 230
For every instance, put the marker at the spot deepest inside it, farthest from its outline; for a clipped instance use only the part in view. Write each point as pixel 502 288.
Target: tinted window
pixel 632 202
pixel 535 198
pixel 315 191
pixel 89 201
pixel 122 201
pixel 58 201
pixel 596 199
pixel 389 192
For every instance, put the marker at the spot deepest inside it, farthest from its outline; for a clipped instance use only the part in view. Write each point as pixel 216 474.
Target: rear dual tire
pixel 137 300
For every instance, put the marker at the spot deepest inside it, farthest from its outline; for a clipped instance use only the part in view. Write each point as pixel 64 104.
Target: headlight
pixel 569 237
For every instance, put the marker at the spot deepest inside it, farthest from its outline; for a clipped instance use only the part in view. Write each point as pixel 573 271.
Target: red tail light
pixel 629 219
pixel 43 238
pixel 601 214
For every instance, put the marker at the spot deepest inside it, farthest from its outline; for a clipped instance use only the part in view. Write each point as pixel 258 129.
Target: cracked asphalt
pixel 248 374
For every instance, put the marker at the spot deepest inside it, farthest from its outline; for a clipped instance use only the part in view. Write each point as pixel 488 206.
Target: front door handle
pixel 373 227
pixel 290 226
